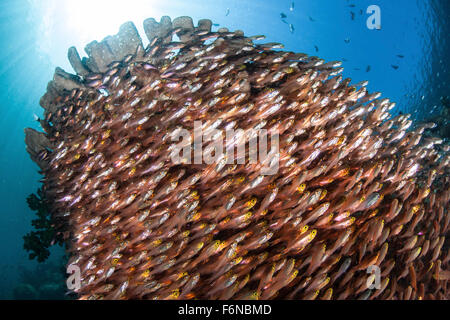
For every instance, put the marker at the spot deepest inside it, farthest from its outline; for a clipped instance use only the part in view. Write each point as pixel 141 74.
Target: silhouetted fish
pixel 291 28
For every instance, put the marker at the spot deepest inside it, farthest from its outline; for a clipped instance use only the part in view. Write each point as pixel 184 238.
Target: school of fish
pixel 355 187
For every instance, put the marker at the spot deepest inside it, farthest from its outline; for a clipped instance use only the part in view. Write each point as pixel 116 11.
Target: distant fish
pixel 361 12
pixel 317 48
pixel 434 108
pixel 228 12
pixel 311 19
pixel 345 60
pixel 291 28
pixel 282 15
pixel 357 69
pixel 368 68
pixel 352 5
pixel 292 7
pixel 394 66
pixel 216 24
pixel 400 56
pixel 352 15
pixel 36 118
pixel 347 40
pixel 103 92
pixel 361 84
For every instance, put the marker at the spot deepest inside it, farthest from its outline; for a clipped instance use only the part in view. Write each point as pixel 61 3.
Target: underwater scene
pixel 225 150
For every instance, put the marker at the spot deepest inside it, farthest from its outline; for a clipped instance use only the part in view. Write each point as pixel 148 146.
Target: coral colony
pixel 355 190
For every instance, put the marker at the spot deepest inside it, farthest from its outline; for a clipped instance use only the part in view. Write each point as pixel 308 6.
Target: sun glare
pixel 66 23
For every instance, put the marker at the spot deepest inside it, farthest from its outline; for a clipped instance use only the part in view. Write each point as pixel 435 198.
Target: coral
pixel 45 281
pixel 25 292
pixel 45 235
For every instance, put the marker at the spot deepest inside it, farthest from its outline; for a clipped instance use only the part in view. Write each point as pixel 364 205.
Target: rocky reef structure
pixel 44 282
pixel 442 128
pixel 355 190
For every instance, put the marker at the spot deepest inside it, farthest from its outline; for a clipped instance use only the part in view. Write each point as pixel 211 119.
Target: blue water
pixel 35 35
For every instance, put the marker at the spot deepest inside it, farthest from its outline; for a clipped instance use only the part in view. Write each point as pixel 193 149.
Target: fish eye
pixel 176 293
pixel 302 187
pixel 237 260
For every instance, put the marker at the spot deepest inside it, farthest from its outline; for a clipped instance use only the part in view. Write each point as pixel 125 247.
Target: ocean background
pixel 408 58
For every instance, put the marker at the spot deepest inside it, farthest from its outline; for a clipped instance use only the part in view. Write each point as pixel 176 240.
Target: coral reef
pixel 45 282
pixel 25 292
pixel 354 188
pixel 442 128
pixel 45 235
